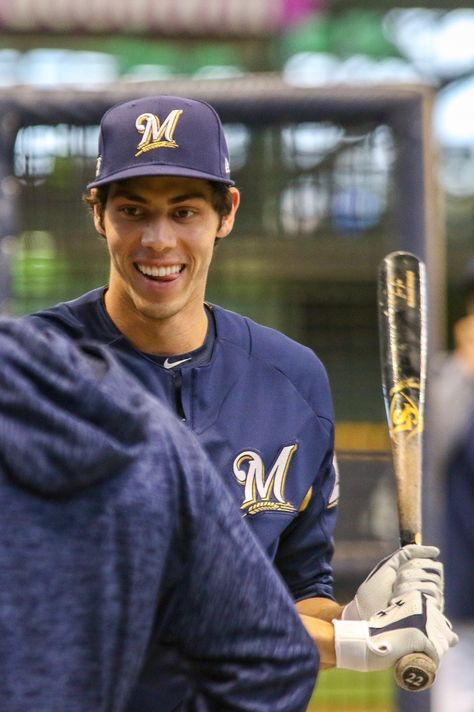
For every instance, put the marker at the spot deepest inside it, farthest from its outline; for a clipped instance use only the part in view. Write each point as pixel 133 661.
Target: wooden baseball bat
pixel 402 333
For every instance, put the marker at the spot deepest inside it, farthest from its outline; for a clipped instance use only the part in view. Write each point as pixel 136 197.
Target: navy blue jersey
pixel 261 406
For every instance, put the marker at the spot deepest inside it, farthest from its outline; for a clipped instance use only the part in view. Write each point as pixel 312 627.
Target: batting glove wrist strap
pixel 351 638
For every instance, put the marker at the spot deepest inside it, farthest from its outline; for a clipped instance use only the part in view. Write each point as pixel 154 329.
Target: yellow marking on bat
pixel 405 289
pixel 405 415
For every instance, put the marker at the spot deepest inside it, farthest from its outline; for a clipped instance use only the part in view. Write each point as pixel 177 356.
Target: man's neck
pixel 172 336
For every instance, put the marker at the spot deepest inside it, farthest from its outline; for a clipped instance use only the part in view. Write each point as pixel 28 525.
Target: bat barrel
pixel 402 335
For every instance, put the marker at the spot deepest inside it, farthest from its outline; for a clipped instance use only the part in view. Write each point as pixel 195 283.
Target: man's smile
pixel 155 272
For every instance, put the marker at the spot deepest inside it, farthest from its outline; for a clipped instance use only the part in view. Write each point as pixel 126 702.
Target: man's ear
pixel 227 222
pixel 98 220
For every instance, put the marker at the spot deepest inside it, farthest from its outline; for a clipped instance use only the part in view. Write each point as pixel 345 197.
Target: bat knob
pixel 415 672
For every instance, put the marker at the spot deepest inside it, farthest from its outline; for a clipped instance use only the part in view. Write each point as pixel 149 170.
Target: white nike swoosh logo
pixel 171 364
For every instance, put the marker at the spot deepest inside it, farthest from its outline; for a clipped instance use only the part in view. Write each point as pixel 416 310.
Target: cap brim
pixel 157 170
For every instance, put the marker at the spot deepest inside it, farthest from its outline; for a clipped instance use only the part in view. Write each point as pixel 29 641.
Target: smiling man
pixel 259 403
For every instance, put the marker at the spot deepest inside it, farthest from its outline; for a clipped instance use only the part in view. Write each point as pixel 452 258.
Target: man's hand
pixel 410 568
pixel 411 624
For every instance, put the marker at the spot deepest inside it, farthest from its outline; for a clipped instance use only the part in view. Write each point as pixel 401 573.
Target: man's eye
pixel 184 213
pixel 131 211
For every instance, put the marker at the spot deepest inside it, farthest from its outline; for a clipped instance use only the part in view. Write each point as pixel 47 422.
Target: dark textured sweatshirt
pixel 119 549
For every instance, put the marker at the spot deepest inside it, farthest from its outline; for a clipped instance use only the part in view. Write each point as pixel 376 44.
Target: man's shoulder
pixel 263 342
pixel 76 317
pixel 278 356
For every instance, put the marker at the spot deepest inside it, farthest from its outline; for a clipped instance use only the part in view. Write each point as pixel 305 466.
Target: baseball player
pixel 259 402
pixel 113 533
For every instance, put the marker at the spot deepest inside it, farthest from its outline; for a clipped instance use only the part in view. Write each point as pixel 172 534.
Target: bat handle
pixel 415 672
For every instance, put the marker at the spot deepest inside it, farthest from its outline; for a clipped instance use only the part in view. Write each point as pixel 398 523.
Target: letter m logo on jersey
pixel 262 491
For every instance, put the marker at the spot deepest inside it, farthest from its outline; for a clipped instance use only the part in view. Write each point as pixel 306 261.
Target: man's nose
pixel 158 233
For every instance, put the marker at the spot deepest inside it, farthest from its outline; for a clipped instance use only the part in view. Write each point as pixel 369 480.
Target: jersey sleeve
pixel 306 547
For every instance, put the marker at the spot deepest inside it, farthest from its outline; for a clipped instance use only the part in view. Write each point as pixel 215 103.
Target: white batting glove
pixel 410 568
pixel 412 624
pixel 421 575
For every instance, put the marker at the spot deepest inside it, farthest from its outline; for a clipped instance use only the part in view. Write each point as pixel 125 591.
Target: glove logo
pixel 264 492
pixel 156 134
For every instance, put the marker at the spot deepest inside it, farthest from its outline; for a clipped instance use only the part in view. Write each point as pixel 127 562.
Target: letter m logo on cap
pixel 156 134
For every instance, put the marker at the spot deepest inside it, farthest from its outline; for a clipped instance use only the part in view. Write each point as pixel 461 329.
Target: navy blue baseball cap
pixel 162 136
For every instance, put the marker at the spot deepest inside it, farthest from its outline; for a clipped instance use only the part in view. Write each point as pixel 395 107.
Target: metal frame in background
pixel 263 99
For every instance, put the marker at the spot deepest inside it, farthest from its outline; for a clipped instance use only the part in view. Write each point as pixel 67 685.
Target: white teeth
pixel 159 271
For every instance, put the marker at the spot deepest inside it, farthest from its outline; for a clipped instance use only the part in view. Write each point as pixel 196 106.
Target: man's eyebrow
pixel 188 196
pixel 136 197
pixel 128 195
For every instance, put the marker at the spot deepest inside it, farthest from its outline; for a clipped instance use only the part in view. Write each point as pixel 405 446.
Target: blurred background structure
pixel 351 132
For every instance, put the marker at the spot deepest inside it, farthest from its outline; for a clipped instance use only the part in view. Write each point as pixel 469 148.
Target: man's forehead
pixel 169 186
